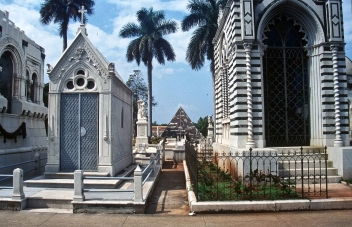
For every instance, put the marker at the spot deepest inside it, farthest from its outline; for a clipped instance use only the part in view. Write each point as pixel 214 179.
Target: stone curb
pixel 255 206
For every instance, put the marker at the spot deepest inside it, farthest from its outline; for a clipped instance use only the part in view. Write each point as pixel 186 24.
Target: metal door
pixel 286 96
pixel 79 132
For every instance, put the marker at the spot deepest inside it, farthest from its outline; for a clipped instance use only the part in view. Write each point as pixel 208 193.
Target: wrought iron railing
pixel 258 175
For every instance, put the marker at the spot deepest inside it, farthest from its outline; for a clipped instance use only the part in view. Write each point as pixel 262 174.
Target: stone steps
pixel 306 180
pixel 313 163
pixel 298 164
pixel 306 171
pixel 48 198
pixel 42 182
pixel 69 175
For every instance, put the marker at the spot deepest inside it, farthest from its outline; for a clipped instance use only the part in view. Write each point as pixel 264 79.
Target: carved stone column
pixel 29 83
pixel 40 94
pixel 16 81
pixel 338 141
pixel 250 142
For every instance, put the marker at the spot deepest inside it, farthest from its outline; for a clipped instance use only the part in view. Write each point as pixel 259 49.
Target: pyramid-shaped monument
pixel 182 125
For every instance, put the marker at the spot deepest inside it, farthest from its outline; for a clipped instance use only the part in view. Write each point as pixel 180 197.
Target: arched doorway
pixel 286 88
pixel 6 77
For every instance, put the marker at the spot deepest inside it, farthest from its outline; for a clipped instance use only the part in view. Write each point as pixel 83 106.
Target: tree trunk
pixel 64 32
pixel 150 85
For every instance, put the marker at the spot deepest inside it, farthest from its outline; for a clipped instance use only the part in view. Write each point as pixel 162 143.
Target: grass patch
pixel 216 185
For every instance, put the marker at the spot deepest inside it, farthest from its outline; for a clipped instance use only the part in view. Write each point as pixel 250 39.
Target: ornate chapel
pixel 280 75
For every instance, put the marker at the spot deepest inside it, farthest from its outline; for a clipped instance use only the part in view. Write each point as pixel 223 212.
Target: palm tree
pixel 149 44
pixel 204 15
pixel 61 11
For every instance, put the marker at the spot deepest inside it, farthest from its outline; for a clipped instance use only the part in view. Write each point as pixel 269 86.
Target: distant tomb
pixel 142 124
pixel 181 126
pixel 90 112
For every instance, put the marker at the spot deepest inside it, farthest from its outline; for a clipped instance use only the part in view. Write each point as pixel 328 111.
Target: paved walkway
pixel 169 195
pixel 282 219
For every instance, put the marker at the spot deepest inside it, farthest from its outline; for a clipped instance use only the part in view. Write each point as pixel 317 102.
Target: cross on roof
pixel 82 11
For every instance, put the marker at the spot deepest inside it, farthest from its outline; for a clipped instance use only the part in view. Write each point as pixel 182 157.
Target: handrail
pixel 147 177
pixel 107 178
pixel 21 163
pixel 108 190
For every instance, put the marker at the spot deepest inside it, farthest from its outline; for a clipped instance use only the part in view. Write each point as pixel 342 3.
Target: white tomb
pixel 142 125
pixel 90 112
pixel 21 96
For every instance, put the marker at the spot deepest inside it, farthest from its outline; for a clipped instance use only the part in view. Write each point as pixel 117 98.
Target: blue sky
pixel 174 84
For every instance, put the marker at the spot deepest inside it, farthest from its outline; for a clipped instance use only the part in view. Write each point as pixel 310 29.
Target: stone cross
pixel 82 11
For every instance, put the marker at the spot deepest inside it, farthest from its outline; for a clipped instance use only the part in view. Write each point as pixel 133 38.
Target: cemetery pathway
pixel 169 195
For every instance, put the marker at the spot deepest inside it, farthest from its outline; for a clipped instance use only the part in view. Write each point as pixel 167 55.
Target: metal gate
pixel 79 132
pixel 286 97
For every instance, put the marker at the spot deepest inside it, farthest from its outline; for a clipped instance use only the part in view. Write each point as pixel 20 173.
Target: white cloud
pixel 175 5
pixel 161 71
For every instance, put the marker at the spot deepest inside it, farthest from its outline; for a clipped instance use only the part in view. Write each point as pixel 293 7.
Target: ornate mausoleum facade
pixel 280 74
pixel 22 111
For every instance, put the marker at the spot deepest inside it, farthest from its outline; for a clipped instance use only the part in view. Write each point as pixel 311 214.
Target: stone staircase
pixel 312 166
pixel 55 190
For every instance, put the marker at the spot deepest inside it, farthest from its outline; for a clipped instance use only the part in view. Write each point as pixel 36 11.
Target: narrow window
pixel 122 118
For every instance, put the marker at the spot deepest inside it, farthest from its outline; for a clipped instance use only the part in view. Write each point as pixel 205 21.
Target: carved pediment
pixel 81 50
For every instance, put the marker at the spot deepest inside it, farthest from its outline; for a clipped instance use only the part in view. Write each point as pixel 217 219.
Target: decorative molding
pixel 106 137
pixel 334 21
pixel 52 128
pixel 338 141
pixel 247 20
pixel 81 52
pixel 250 142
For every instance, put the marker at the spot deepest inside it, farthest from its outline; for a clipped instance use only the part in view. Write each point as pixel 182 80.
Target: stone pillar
pixel 16 81
pixel 78 186
pixel 138 187
pixel 338 141
pixel 37 163
pixel 210 136
pixel 18 184
pixel 40 88
pixel 250 142
pixel 29 83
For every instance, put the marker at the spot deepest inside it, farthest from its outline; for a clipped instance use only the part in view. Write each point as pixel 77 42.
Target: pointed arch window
pixel 6 77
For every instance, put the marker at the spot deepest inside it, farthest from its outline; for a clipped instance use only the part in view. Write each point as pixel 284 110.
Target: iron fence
pixel 258 175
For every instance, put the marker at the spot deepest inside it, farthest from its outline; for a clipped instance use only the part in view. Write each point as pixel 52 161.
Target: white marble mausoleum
pixel 90 112
pixel 22 111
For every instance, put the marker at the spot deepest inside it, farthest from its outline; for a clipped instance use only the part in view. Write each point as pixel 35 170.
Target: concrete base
pixel 276 205
pixel 13 204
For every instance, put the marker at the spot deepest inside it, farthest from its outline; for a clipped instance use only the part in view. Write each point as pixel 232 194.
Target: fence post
pixel 18 184
pixel 78 186
pixel 138 187
pixel 37 163
pixel 326 172
pixel 302 177
pixel 152 159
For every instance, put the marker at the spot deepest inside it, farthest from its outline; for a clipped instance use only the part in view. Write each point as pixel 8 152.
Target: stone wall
pixel 23 150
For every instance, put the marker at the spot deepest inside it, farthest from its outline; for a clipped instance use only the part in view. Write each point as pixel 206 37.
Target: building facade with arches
pixel 21 95
pixel 280 75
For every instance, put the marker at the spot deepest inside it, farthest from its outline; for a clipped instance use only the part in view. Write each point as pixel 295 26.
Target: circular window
pixel 80 72
pixel 69 85
pixel 90 84
pixel 80 82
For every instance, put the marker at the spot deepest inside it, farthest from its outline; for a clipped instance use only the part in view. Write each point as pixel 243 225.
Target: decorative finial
pixel 82 11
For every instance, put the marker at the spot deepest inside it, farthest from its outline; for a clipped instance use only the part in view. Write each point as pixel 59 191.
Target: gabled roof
pixel 81 49
pixel 182 124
